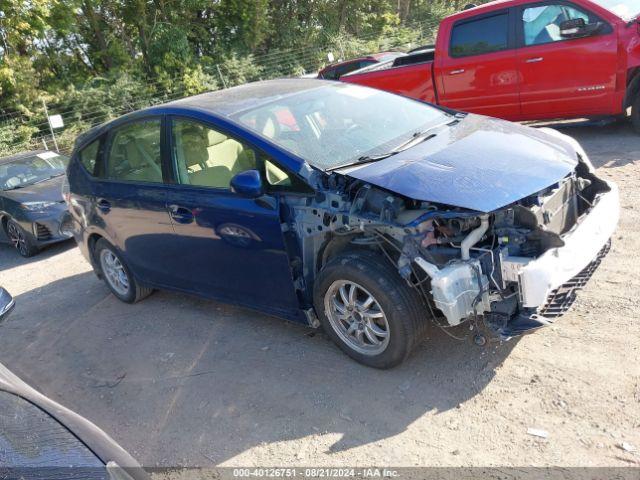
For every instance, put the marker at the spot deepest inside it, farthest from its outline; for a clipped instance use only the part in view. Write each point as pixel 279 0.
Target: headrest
pixel 194 146
pixel 215 137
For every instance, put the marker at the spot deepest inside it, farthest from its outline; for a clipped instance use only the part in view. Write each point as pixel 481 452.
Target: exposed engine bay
pixel 468 266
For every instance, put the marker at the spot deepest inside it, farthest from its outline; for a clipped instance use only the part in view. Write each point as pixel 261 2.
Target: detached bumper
pixel 539 280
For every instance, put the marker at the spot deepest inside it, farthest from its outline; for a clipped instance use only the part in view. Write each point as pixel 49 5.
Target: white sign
pixel 45 155
pixel 56 121
pixel 330 57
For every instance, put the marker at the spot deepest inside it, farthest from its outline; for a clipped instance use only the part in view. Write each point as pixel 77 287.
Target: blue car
pixel 32 211
pixel 368 213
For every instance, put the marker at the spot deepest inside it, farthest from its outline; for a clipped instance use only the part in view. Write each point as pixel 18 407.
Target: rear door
pixel 563 77
pixel 479 72
pixel 228 247
pixel 130 199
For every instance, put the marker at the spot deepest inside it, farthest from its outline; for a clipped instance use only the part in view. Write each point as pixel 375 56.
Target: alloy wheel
pixel 114 272
pixel 17 238
pixel 357 318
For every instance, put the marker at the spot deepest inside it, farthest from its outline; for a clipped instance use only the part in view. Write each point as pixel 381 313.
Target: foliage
pixel 92 60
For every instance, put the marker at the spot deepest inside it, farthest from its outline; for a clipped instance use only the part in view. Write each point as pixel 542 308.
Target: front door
pixel 564 77
pixel 229 247
pixel 479 72
pixel 130 198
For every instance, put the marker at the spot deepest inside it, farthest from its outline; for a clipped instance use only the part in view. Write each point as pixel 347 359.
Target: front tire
pixel 117 274
pixel 635 113
pixel 368 310
pixel 21 240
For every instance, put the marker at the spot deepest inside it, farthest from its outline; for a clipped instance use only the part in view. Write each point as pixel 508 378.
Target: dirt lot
pixel 182 381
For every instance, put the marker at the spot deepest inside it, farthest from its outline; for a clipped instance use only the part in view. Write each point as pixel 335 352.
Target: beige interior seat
pixel 228 157
pixel 143 161
pixel 209 158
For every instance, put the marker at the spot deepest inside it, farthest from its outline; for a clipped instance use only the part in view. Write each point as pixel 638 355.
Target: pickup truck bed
pixel 410 75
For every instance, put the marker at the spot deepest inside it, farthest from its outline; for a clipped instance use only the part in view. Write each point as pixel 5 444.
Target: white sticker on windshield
pixel 45 155
pixel 357 92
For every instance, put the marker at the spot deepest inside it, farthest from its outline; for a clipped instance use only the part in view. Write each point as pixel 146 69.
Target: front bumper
pixel 48 226
pixel 538 279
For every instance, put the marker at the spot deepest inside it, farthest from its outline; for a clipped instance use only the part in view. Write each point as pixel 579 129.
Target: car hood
pixel 49 190
pixel 480 164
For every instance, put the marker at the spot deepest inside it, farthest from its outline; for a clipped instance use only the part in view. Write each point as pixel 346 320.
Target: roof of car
pixel 20 156
pixel 236 99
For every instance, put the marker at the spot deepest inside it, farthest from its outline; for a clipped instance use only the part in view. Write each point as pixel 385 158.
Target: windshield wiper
pixel 418 137
pixel 48 178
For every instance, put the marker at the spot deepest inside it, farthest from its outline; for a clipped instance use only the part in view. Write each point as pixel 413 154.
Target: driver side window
pixel 134 153
pixel 542 23
pixel 206 157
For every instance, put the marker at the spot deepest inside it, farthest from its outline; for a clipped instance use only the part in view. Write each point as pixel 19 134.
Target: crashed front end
pixel 512 269
pixel 518 268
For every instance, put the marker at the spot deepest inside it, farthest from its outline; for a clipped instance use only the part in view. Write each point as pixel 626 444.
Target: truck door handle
pixel 535 60
pixel 456 72
pixel 180 214
pixel 103 205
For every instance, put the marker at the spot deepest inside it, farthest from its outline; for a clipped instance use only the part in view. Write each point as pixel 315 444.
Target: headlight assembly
pixel 37 206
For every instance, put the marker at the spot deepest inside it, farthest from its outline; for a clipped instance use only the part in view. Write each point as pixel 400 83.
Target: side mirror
pixel 247 184
pixel 578 28
pixel 6 303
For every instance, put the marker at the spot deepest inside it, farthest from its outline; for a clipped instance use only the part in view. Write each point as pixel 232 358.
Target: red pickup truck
pixel 526 60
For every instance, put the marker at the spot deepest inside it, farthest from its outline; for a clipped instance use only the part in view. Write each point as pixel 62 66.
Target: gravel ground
pixel 182 381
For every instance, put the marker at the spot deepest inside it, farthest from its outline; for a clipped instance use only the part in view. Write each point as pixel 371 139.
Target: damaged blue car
pixel 367 213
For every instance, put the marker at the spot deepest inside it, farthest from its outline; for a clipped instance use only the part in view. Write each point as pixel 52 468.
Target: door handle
pixel 180 214
pixel 535 60
pixel 103 205
pixel 456 72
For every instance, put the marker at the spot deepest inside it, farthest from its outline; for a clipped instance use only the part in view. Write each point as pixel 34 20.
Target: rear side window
pixel 89 156
pixel 485 35
pixel 134 153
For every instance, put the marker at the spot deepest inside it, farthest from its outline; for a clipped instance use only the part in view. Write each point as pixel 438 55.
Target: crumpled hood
pixel 47 191
pixel 480 164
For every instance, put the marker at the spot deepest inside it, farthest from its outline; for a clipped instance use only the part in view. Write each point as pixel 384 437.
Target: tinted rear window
pixel 486 35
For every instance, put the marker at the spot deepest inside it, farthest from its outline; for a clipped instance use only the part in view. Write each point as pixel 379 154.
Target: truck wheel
pixel 21 240
pixel 635 113
pixel 368 310
pixel 117 275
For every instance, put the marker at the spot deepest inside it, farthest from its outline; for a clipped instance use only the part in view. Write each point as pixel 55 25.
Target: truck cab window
pixel 476 37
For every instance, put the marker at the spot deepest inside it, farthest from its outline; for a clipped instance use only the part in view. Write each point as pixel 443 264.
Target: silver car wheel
pixel 114 272
pixel 356 316
pixel 17 238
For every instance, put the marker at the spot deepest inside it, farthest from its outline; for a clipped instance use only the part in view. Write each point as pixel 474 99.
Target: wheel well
pixel 4 219
pixel 338 245
pixel 633 86
pixel 91 243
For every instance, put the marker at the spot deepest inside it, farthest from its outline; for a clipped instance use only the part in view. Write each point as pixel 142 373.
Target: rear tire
pixel 117 274
pixel 635 113
pixel 21 240
pixel 383 334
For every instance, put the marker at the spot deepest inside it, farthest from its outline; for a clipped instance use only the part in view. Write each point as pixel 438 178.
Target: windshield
pixel 626 9
pixel 337 124
pixel 30 170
